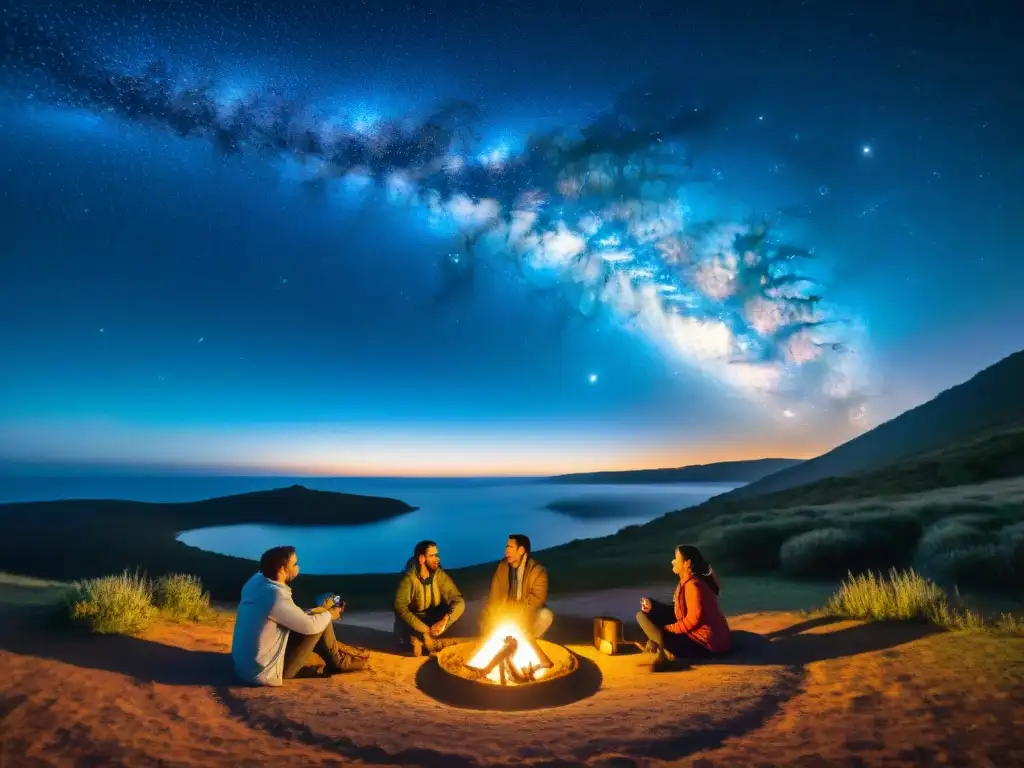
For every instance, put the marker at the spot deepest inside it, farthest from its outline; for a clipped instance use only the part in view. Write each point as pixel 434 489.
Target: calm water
pixel 469 518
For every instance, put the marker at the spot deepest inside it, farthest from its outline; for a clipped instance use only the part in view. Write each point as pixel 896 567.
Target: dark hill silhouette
pixel 996 455
pixel 720 472
pixel 992 399
pixel 84 538
pixel 295 505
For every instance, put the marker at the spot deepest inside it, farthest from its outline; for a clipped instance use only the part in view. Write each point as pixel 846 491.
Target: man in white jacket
pixel 273 637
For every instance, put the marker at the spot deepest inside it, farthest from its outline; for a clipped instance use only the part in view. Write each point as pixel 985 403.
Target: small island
pixel 586 508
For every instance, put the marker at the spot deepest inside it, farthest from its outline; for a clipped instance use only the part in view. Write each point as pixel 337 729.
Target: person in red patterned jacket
pixel 694 625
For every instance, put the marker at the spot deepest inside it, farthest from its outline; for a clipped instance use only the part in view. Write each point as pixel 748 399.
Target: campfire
pixel 509 670
pixel 509 656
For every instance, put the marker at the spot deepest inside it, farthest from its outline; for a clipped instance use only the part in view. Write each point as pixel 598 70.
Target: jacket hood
pixel 259 589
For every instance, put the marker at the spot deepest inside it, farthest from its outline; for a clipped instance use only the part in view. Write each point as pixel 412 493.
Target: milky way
pixel 598 215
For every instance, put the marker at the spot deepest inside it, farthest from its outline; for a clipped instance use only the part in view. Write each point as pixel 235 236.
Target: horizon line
pixel 32 467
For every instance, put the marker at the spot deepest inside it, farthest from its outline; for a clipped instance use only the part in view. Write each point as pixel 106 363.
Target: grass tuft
pixel 905 595
pixel 181 597
pixel 108 605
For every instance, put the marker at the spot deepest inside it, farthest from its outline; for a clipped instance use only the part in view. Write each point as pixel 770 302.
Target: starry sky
pixel 185 288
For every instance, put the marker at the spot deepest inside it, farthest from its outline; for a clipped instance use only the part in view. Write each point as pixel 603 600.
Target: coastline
pixel 72 540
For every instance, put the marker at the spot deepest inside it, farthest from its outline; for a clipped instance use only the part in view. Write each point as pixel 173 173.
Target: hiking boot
pixel 649 647
pixel 417 646
pixel 310 673
pixel 446 642
pixel 663 659
pixel 346 662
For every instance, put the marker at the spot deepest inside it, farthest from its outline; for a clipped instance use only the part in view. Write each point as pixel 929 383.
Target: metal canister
pixel 607 634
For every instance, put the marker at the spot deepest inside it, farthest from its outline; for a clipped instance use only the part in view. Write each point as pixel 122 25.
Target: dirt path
pixel 797 692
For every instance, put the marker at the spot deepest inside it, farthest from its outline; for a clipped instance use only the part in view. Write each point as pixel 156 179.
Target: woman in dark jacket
pixel 694 624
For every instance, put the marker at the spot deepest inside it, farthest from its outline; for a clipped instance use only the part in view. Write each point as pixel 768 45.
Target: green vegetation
pixel 971 536
pixel 908 596
pixel 127 603
pixel 994 455
pixel 182 597
pixel 114 605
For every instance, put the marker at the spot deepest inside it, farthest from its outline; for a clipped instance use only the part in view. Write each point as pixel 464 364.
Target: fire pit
pixel 508 671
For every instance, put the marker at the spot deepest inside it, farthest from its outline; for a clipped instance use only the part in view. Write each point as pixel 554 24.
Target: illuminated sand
pixel 839 693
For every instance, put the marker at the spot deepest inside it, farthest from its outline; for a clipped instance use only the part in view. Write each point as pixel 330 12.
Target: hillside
pixel 720 472
pixel 966 496
pixel 990 400
pixel 995 455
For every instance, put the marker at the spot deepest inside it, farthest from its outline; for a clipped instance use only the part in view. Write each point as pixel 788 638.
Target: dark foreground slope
pixel 720 472
pixel 992 399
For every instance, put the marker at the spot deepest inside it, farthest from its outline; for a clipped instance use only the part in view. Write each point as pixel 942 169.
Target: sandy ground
pixel 795 692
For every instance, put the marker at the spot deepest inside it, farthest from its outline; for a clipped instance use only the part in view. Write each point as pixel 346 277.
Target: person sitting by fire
pixel 273 639
pixel 694 624
pixel 519 589
pixel 427 602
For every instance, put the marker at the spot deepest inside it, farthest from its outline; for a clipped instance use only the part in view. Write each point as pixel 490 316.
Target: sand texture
pixel 795 692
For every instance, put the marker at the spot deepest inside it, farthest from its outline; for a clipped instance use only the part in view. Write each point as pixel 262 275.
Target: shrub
pixel 1011 541
pixel 821 553
pixel 904 595
pixel 750 547
pixel 935 511
pixel 947 536
pixel 984 566
pixel 182 597
pixel 889 538
pixel 121 604
pixel 808 512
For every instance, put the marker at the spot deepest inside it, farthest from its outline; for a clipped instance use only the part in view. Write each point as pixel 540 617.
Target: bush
pixel 182 597
pixel 948 536
pixel 982 567
pixel 889 538
pixel 821 553
pixel 933 512
pixel 808 512
pixel 954 553
pixel 750 547
pixel 121 604
pixel 905 596
pixel 1011 541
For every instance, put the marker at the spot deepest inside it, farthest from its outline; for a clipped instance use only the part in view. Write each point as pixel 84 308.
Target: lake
pixel 469 518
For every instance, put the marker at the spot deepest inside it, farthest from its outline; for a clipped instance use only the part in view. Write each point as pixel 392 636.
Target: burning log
pixel 504 654
pixel 503 662
pixel 509 653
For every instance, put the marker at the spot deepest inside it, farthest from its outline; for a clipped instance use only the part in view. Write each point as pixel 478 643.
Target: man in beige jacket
pixel 519 589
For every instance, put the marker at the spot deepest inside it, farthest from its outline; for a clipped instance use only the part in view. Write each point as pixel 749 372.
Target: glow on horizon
pixel 329 450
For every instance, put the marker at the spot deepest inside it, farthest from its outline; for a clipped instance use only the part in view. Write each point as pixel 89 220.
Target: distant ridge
pixel 720 472
pixel 992 399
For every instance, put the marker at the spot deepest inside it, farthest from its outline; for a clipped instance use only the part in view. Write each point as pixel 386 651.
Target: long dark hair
pixel 701 567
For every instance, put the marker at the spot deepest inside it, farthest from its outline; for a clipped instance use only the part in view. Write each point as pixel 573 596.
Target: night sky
pixel 257 236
